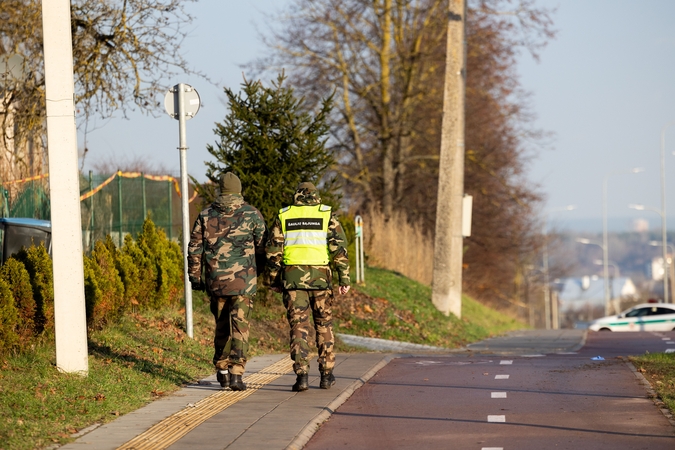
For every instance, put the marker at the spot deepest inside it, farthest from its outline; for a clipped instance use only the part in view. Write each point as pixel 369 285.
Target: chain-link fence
pixel 111 204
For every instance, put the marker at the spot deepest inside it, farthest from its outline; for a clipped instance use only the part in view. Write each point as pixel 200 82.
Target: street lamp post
pixel 616 274
pixel 671 273
pixel 605 269
pixel 547 290
pixel 664 244
pixel 605 245
pixel 663 208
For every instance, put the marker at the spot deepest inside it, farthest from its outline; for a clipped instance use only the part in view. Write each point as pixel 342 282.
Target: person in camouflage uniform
pixel 308 286
pixel 225 239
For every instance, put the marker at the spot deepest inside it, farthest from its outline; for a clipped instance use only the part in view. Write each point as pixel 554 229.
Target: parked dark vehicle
pixel 19 232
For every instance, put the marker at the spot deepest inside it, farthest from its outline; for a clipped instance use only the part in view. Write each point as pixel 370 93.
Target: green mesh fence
pixel 29 200
pixel 111 204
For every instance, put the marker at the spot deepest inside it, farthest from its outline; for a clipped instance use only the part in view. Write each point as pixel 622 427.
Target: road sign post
pixel 358 226
pixel 182 103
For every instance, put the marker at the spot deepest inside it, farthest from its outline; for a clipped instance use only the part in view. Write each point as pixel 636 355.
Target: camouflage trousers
pixel 232 313
pixel 298 303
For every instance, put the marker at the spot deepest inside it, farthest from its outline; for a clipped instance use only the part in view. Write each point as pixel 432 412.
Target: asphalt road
pixel 501 397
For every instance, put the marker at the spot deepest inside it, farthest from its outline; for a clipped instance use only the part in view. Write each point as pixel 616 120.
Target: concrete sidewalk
pixel 269 415
pixel 272 417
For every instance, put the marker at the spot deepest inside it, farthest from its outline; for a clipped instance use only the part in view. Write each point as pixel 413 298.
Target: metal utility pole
pixel 182 103
pixel 664 231
pixel 70 319
pixel 448 246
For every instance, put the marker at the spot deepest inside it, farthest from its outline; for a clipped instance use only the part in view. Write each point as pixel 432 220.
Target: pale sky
pixel 605 88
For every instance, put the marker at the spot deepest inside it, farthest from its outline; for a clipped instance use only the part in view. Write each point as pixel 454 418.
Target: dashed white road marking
pixel 533 356
pixel 670 342
pixel 670 350
pixel 492 448
pixel 665 339
pixel 506 377
pixel 567 353
pixel 496 418
pixel 498 395
pixel 504 362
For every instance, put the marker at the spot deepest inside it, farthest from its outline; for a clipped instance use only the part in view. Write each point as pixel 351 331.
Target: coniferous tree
pixel 272 143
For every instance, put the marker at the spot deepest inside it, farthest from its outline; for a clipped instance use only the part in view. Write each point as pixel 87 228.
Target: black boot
pixel 301 383
pixel 327 380
pixel 223 377
pixel 236 384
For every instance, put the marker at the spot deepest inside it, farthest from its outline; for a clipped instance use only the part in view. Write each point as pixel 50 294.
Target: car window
pixel 660 311
pixel 640 312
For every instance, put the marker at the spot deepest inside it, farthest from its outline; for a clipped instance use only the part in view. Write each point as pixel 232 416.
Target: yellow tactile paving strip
pixel 174 427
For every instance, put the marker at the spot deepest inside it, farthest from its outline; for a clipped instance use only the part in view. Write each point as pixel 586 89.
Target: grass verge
pixel 659 369
pixel 131 363
pixel 391 306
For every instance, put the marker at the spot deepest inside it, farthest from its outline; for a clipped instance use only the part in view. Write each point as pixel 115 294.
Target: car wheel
pixel 604 329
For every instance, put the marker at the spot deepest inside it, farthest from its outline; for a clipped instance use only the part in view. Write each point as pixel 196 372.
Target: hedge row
pixel 143 274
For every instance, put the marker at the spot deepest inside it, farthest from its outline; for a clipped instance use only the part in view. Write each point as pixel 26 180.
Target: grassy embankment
pixel 659 369
pixel 146 356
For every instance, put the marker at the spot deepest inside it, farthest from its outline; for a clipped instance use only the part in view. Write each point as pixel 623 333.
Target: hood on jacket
pixel 228 202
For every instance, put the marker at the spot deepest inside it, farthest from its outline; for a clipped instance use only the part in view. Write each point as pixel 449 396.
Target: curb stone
pixel 651 393
pixel 385 345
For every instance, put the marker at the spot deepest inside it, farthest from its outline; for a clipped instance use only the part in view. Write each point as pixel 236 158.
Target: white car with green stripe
pixel 643 317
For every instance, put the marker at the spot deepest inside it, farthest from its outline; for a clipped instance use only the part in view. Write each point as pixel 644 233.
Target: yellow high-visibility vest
pixel 305 230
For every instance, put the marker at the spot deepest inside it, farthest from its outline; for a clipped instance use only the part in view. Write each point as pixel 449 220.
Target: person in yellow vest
pixel 304 242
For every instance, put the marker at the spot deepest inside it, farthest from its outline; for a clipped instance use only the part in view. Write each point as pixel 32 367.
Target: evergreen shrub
pixel 149 242
pixel 174 268
pixel 39 266
pixel 14 273
pixel 166 258
pixel 9 319
pixel 103 288
pixel 147 273
pixel 129 273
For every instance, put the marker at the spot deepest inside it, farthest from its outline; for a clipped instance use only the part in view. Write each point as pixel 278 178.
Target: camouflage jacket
pixel 224 241
pixel 307 277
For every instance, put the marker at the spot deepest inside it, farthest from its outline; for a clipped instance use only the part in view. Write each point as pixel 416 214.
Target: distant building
pixel 583 298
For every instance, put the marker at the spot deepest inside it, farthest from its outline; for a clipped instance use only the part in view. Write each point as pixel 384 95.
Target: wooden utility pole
pixel 448 246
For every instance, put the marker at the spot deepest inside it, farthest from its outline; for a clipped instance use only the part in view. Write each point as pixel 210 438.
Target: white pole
pixel 664 235
pixel 358 222
pixel 605 246
pixel 362 256
pixel 69 307
pixel 185 206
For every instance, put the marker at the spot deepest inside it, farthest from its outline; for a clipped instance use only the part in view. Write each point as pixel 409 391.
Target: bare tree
pixel 122 50
pixel 385 61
